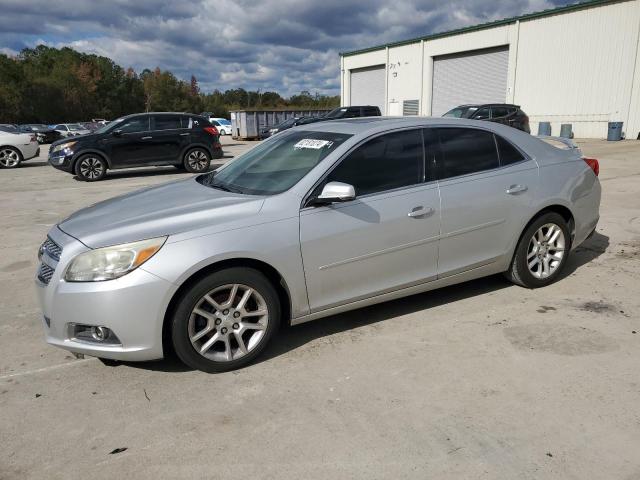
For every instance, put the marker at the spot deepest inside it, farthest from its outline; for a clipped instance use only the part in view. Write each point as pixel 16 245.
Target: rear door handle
pixel 420 212
pixel 513 189
pixel 146 138
pixel 184 134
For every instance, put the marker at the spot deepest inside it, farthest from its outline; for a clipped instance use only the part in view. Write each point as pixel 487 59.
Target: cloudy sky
pixel 281 45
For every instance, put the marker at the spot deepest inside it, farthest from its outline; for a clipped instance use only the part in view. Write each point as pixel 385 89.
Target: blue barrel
pixel 565 130
pixel 615 131
pixel 544 128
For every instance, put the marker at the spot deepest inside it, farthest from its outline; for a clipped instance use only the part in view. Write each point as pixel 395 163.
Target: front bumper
pixel 132 307
pixel 61 160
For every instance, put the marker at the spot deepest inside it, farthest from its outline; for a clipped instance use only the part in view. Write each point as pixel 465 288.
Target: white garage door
pixel 367 86
pixel 471 77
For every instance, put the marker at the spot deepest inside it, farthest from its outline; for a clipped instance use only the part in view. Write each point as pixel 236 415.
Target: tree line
pixel 50 85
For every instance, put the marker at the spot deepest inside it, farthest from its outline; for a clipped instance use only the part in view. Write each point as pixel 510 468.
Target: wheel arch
pixel 558 208
pixel 16 148
pixel 192 146
pixel 272 274
pixel 90 151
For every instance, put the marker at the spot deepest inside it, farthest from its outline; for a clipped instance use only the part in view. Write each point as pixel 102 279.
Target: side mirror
pixel 336 192
pixel 117 133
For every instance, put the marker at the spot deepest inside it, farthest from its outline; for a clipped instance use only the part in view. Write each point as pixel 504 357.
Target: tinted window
pixel 466 150
pixel 383 163
pixel 166 122
pixel 133 125
pixel 482 113
pixel 370 112
pixel 60 127
pixel 508 153
pixel 497 112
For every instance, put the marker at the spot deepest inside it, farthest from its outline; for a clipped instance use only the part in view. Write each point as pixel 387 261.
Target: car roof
pixel 364 127
pixel 487 105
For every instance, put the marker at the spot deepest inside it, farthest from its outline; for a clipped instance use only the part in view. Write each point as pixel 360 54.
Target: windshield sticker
pixel 311 143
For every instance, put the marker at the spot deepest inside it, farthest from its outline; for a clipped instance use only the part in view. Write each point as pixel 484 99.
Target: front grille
pixel 52 248
pixel 45 272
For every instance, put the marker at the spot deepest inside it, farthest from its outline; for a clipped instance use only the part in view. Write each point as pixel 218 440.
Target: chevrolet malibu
pixel 318 220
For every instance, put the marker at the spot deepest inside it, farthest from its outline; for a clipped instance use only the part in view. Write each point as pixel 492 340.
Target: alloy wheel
pixel 546 250
pixel 9 158
pixel 91 168
pixel 228 322
pixel 197 160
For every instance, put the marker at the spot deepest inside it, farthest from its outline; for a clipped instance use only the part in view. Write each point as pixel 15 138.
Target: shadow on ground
pixel 291 338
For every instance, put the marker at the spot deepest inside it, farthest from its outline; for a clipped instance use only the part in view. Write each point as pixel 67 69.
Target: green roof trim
pixel 496 23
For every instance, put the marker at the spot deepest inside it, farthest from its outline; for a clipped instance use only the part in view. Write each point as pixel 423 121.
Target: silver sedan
pixel 318 220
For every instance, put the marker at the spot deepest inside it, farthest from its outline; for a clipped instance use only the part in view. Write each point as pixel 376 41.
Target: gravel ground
pixel 479 380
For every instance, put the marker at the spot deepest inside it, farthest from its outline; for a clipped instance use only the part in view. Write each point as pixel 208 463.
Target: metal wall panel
pixel 470 77
pixel 367 87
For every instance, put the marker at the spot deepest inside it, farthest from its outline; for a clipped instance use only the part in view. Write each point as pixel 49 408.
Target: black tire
pixel 10 157
pixel 90 168
pixel 519 271
pixel 180 321
pixel 196 160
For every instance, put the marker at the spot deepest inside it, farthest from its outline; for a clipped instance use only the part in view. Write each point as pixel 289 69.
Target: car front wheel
pixel 196 160
pixel 10 157
pixel 90 168
pixel 542 252
pixel 225 320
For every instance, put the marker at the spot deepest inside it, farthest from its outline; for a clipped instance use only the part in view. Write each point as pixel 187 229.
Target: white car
pixel 71 129
pixel 222 124
pixel 15 148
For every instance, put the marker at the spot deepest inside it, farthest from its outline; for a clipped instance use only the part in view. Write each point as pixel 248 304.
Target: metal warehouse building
pixel 578 64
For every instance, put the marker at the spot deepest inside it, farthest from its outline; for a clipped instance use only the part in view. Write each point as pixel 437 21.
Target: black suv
pixel 352 112
pixel 504 113
pixel 144 139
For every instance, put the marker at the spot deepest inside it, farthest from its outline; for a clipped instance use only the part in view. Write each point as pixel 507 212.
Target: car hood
pixel 75 138
pixel 167 209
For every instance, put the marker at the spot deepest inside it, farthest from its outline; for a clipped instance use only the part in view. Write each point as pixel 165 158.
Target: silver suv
pixel 318 220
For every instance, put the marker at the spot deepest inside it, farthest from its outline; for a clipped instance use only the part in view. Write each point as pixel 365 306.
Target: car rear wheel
pixel 225 320
pixel 10 157
pixel 197 160
pixel 541 253
pixel 90 168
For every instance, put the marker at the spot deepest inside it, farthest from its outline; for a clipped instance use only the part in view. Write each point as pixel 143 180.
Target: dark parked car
pixel 505 113
pixel 287 124
pixel 44 134
pixel 144 139
pixel 352 112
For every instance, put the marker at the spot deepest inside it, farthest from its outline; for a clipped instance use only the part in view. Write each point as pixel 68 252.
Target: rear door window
pixel 508 153
pixel 465 151
pixel 167 122
pixel 499 112
pixel 383 163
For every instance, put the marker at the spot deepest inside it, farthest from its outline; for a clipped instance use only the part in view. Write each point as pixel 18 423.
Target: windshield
pixel 75 127
pixel 461 112
pixel 223 121
pixel 275 165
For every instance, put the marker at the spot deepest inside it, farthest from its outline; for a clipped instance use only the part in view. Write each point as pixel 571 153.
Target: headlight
pixel 112 262
pixel 66 146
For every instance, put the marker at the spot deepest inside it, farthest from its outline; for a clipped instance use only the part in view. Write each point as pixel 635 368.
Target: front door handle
pixel 146 138
pixel 420 212
pixel 513 189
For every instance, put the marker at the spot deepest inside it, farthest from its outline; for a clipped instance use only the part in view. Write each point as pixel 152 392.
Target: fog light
pixel 100 333
pixel 92 334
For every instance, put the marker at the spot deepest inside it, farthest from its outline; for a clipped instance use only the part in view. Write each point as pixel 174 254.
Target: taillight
pixel 593 164
pixel 211 130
